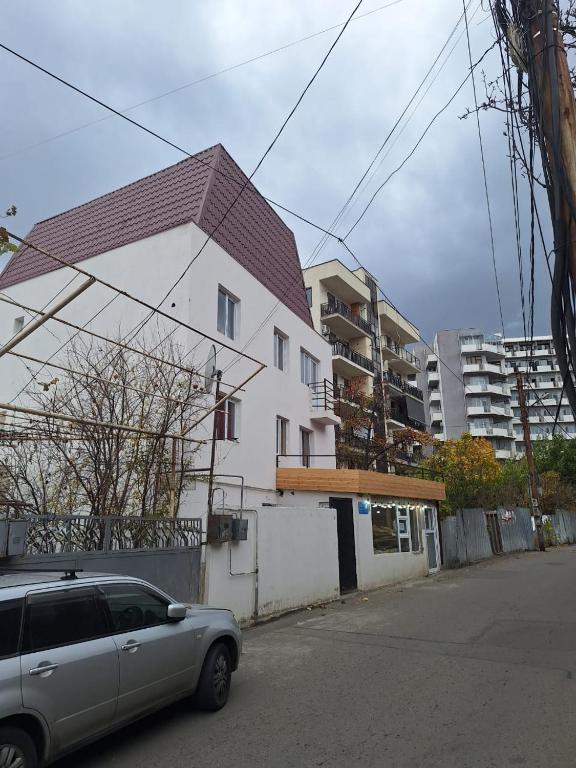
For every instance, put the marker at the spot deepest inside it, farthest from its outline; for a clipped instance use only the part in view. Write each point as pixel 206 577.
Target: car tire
pixel 215 678
pixel 17 750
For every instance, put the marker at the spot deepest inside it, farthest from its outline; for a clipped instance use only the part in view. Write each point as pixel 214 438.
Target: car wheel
pixel 17 749
pixel 215 678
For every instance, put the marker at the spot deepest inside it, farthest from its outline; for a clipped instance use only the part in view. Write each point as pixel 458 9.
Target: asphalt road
pixel 472 669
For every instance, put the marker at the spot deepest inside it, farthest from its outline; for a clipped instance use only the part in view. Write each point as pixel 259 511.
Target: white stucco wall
pixel 147 269
pixel 372 569
pixel 296 557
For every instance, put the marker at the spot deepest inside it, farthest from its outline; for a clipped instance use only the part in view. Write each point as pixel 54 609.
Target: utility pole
pixel 534 495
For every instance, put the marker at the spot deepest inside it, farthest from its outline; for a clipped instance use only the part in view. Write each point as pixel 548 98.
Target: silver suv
pixel 82 655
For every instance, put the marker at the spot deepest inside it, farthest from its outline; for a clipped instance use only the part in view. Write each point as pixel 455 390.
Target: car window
pixel 133 607
pixel 10 621
pixel 62 618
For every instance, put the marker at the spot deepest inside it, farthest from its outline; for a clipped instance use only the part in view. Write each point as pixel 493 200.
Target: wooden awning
pixel 359 481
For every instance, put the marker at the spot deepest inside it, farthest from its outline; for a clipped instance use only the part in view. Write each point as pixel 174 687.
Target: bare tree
pixel 84 466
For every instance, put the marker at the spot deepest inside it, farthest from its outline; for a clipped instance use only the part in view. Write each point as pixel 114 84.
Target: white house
pixel 238 281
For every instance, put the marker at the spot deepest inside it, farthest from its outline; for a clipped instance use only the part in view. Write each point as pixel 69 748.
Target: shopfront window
pixel 396 525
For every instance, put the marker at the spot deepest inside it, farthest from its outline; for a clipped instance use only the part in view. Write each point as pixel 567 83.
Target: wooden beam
pixel 358 481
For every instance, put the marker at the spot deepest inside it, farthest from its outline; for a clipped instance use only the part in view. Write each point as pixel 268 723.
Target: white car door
pixel 158 656
pixel 69 663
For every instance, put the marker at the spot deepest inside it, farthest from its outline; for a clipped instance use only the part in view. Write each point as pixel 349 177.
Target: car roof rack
pixel 69 573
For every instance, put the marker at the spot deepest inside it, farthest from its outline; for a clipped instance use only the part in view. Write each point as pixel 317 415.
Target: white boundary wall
pixel 296 557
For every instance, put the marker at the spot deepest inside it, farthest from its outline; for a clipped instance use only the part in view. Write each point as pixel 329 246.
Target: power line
pixel 200 80
pixel 403 163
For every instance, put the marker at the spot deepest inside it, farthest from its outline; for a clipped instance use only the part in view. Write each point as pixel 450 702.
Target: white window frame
pixel 280 344
pixel 305 457
pixel 230 408
pixel 227 324
pixel 309 368
pixel 281 436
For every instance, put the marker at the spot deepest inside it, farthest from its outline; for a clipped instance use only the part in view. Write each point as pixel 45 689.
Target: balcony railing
pixel 322 395
pixel 403 419
pixel 342 349
pixel 398 382
pixel 401 352
pixel 339 308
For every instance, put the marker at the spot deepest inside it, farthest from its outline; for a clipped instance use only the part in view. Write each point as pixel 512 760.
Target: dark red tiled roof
pixel 252 233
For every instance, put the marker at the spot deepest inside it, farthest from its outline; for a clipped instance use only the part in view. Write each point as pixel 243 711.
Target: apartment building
pixel 536 360
pixel 466 387
pixel 369 341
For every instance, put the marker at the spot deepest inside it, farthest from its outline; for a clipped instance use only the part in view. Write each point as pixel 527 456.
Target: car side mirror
pixel 177 611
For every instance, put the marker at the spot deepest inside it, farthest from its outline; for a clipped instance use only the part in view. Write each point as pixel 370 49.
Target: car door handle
pixel 43 669
pixel 131 645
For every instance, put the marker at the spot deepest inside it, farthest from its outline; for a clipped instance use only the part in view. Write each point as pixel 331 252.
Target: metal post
pixel 530 460
pixel 173 481
pixel 213 449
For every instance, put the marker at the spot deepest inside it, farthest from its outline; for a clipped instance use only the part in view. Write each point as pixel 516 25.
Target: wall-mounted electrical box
pixel 220 529
pixel 240 529
pixel 13 537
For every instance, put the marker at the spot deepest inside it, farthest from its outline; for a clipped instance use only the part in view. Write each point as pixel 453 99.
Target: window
pixel 309 296
pixel 308 368
pixel 132 607
pixel 396 526
pixel 280 350
pixel 414 529
pixel 281 436
pixel 18 324
pixel 384 528
pixel 226 314
pixel 305 446
pixel 227 420
pixel 62 618
pixel 10 620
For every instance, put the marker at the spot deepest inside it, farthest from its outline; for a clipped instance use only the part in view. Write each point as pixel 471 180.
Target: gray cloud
pixel 426 237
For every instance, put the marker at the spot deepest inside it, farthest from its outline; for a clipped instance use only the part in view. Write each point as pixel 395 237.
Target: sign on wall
pixel 363 507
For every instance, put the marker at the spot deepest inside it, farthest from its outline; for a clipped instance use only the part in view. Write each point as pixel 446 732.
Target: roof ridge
pixel 210 184
pixel 136 181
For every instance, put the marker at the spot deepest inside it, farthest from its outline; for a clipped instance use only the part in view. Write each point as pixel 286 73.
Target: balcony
pixel 322 403
pixel 348 363
pixel 401 384
pixel 436 417
pixel 503 453
pixel 483 368
pixel 488 387
pixel 402 420
pixel 493 348
pixel 434 396
pixel 399 357
pixel 345 323
pixel 496 410
pixel 433 377
pixel 395 325
pixel 494 431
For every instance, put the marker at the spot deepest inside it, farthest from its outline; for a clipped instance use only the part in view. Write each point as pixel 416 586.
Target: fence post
pixel 107 535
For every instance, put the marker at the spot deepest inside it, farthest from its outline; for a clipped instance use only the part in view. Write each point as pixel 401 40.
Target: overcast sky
pixel 426 237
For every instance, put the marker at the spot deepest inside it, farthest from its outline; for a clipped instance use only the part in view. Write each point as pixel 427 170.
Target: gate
pixel 494 532
pixel 164 551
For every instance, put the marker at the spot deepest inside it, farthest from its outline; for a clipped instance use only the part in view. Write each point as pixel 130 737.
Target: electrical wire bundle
pixel 535 46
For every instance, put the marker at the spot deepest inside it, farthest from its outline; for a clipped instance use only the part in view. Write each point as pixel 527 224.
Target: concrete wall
pixel 294 550
pixel 451 388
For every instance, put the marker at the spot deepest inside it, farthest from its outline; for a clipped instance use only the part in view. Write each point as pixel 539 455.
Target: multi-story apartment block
pixel 536 360
pixel 466 388
pixel 368 339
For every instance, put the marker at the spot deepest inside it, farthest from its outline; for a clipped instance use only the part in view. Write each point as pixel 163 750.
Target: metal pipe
pixel 213 447
pixel 44 316
pixel 94 422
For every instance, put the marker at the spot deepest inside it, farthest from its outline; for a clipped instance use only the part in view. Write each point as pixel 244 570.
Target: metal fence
pixel 165 552
pixel 564 524
pixel 466 539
